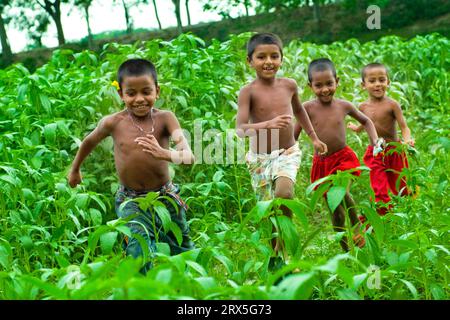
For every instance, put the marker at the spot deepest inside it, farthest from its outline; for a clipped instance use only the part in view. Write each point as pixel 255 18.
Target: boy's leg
pixel 378 179
pixel 396 162
pixel 350 204
pixel 338 221
pixel 284 188
pixel 139 226
pixel 177 215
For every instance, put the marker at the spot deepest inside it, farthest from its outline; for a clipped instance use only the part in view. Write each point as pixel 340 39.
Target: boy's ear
pixel 120 93
pixel 363 84
pixel 337 81
pixel 157 91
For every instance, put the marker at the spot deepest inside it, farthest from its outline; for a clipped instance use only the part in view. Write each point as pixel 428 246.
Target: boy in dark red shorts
pixel 327 116
pixel 384 112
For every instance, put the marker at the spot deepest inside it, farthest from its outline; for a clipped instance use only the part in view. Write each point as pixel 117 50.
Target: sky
pixel 104 16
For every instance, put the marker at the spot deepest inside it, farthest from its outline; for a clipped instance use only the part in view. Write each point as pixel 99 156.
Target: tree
pixel 156 13
pixel 224 8
pixel 186 4
pixel 53 9
pixel 85 4
pixel 176 3
pixel 7 55
pixel 126 8
pixel 50 8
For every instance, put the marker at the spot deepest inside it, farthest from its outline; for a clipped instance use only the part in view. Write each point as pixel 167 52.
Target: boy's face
pixel 139 94
pixel 376 82
pixel 266 60
pixel 324 85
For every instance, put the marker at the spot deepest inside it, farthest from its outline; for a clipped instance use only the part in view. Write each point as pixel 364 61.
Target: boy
pixel 327 115
pixel 265 109
pixel 141 139
pixel 384 112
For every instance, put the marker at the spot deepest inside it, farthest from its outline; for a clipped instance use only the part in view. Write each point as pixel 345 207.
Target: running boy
pixel 141 139
pixel 385 113
pixel 327 115
pixel 266 107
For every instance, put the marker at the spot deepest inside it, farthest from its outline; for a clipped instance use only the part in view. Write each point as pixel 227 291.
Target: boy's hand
pixel 74 178
pixel 152 146
pixel 353 127
pixel 410 142
pixel 320 147
pixel 379 146
pixel 279 122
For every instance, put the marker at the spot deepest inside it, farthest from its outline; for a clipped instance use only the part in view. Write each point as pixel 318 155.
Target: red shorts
pixel 384 172
pixel 341 160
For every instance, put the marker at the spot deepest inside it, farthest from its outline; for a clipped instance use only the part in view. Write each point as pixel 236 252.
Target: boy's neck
pixel 329 103
pixel 269 81
pixel 373 99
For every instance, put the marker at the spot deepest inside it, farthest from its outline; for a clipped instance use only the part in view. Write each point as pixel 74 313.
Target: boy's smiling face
pixel 266 60
pixel 324 84
pixel 139 94
pixel 376 82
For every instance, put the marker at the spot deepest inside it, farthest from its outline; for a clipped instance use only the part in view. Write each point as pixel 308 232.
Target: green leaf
pixel 107 241
pixel 50 133
pixel 295 287
pixel 348 294
pixel 411 288
pixel 335 196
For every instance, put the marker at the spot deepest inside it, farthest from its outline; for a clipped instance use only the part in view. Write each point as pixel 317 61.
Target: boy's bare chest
pixel 271 102
pixel 382 115
pixel 327 116
pixel 125 134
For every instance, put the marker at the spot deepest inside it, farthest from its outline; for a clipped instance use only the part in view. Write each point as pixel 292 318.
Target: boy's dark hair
pixel 263 38
pixel 321 64
pixel 136 67
pixel 370 66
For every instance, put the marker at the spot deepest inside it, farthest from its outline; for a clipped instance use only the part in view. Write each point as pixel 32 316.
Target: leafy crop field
pixel 63 243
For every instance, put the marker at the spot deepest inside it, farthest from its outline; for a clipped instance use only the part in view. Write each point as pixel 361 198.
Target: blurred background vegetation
pixel 319 21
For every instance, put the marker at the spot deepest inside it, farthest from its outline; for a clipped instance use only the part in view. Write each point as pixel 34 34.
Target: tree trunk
pixel 246 4
pixel 186 4
pixel 128 20
pixel 57 18
pixel 90 38
pixel 6 49
pixel 317 10
pixel 178 15
pixel 156 13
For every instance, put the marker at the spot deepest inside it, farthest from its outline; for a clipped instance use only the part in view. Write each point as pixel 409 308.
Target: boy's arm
pixel 354 127
pixel 406 133
pixel 246 129
pixel 304 122
pixel 103 129
pixel 365 121
pixel 182 154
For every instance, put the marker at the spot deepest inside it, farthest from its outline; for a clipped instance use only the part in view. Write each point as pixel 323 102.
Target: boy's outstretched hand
pixel 151 146
pixel 410 142
pixel 354 127
pixel 320 147
pixel 279 122
pixel 74 178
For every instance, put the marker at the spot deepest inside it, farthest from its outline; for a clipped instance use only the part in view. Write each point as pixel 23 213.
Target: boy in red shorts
pixel 327 116
pixel 384 112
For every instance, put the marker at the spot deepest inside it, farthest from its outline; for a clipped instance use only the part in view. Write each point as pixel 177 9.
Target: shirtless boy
pixel 327 116
pixel 141 140
pixel 266 107
pixel 385 113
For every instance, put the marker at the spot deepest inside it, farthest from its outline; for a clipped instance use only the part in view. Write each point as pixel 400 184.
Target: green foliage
pixel 63 243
